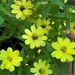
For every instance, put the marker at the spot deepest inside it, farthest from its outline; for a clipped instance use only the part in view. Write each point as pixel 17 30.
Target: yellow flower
pixel 64 49
pixel 72 27
pixel 10 59
pixel 41 68
pixel 22 9
pixel 45 24
pixel 35 37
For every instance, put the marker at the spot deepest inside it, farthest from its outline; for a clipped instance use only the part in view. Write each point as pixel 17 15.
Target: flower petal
pixel 56 46
pixel 28 32
pixel 15 7
pixel 29 41
pixel 63 58
pixel 60 41
pixel 33 29
pixel 33 70
pixel 69 57
pixel 19 14
pixel 18 3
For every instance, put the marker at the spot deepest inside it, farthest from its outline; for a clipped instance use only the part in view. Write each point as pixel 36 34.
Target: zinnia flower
pixel 72 27
pixel 41 68
pixel 35 37
pixel 64 49
pixel 22 9
pixel 45 24
pixel 10 59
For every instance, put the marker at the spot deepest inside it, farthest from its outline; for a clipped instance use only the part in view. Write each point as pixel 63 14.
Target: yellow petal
pixel 43 38
pixel 59 54
pixel 27 12
pixel 29 41
pixel 19 14
pixel 28 32
pixel 23 17
pixel 18 3
pixel 8 65
pixel 39 22
pixel 66 41
pixel 69 57
pixel 53 54
pixel 37 73
pixel 43 64
pixel 32 45
pixel 12 68
pixel 63 58
pixel 9 51
pixel 15 7
pixel 56 46
pixel 36 65
pixel 16 63
pixel 26 37
pixel 40 62
pixel 42 43
pixel 33 29
pixel 14 11
pixel 15 53
pixel 71 51
pixel 3 54
pixel 47 66
pixel 23 2
pixel 60 41
pixel 2 66
pixel 71 45
pixel 28 5
pixel 33 70
pixel 37 44
pixel 49 72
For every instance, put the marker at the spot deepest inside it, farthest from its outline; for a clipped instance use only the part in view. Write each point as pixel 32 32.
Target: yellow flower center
pixel 43 26
pixel 42 70
pixel 35 36
pixel 64 48
pixel 22 8
pixel 9 58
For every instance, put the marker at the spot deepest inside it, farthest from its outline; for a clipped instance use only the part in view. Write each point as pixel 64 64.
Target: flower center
pixel 22 8
pixel 64 48
pixel 9 58
pixel 35 36
pixel 74 27
pixel 42 70
pixel 43 26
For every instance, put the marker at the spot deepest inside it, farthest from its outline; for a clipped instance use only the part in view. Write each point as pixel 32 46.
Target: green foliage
pixel 11 30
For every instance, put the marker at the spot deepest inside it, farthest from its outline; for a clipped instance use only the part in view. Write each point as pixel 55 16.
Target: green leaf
pixel 22 53
pixel 59 16
pixel 54 9
pixel 43 57
pixel 2 72
pixel 67 23
pixel 27 70
pixel 45 51
pixel 1 20
pixel 26 47
pixel 49 47
pixel 2 9
pixel 20 69
pixel 45 9
pixel 52 33
pixel 58 2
